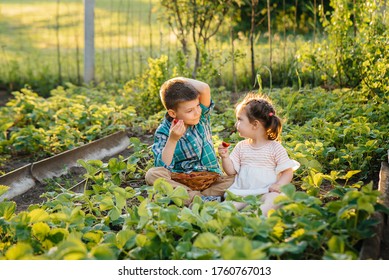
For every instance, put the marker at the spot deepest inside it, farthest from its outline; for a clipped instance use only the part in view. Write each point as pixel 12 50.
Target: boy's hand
pixel 223 150
pixel 177 129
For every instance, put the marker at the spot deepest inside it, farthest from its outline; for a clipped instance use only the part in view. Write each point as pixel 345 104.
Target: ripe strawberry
pixel 175 121
pixel 225 144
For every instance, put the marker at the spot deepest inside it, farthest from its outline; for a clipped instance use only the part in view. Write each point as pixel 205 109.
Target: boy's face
pixel 188 111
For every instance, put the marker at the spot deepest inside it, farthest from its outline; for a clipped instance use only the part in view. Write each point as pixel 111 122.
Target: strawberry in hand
pixel 177 129
pixel 223 149
pixel 225 144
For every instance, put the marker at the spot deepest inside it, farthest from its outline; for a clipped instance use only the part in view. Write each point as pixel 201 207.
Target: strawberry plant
pixel 67 119
pixel 338 138
pixel 100 224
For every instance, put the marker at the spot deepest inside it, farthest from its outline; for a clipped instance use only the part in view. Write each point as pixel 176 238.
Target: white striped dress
pixel 257 168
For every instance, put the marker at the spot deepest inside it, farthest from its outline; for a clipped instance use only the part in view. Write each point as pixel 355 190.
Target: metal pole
pixel 89 44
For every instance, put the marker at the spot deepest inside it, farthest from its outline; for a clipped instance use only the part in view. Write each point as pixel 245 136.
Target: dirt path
pixel 4 97
pixel 72 178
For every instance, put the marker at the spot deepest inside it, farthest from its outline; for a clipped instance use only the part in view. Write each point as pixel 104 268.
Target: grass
pixel 30 35
pixel 124 39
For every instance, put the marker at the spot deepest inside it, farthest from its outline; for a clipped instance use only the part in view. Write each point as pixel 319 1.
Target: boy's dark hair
pixel 175 91
pixel 260 108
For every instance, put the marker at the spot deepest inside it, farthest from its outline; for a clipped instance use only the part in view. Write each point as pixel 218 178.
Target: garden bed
pixel 73 177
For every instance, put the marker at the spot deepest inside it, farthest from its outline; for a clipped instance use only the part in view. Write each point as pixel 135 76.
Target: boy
pixel 183 141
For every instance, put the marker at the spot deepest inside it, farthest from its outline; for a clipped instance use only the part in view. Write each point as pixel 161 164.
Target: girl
pixel 260 163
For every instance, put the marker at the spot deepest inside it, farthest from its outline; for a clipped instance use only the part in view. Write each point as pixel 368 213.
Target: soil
pixel 34 195
pixel 71 179
pixel 4 97
pixel 74 177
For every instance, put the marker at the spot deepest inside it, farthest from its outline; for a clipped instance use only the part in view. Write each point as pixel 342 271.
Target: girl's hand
pixel 223 150
pixel 225 144
pixel 275 188
pixel 177 129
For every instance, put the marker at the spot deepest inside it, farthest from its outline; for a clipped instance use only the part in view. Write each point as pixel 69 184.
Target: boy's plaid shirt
pixel 194 150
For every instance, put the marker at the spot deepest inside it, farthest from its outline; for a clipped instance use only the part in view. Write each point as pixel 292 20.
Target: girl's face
pixel 188 111
pixel 247 129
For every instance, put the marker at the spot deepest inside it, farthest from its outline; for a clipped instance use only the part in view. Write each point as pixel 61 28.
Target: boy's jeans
pixel 218 188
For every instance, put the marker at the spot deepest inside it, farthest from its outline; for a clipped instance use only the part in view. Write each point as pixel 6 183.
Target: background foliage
pixel 294 41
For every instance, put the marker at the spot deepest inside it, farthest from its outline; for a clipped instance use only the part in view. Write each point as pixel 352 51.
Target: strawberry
pixel 175 121
pixel 225 144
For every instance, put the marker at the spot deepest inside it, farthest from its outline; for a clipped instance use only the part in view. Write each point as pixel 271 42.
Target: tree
pixel 199 19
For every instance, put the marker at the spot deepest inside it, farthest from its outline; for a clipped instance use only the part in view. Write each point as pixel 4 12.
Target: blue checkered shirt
pixel 194 150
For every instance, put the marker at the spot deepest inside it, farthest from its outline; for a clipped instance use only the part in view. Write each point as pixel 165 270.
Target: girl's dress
pixel 258 168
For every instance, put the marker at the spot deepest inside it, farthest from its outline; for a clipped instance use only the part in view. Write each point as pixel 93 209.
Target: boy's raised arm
pixel 203 89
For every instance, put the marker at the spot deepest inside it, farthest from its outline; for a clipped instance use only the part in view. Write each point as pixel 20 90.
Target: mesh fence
pixel 42 41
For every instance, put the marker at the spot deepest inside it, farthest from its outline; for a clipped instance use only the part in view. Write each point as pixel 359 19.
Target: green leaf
pixel 315 165
pixel 251 199
pixel 103 252
pixel 239 248
pixel 3 189
pixel 123 237
pixel 143 209
pixel 351 173
pixel 163 187
pixel 91 166
pixel 57 235
pixel 283 248
pixel 207 240
pixel 336 244
pixel 289 190
pixel 38 215
pixel 120 197
pixel 141 240
pixel 40 230
pixel 184 247
pixel 179 195
pixel 72 249
pixel 169 215
pixel 7 209
pixel 317 179
pixel 114 213
pixel 106 203
pixel 352 195
pixel 135 141
pixel 93 236
pixel 116 166
pixel 19 251
pixel 77 216
pixel 296 208
pixel 364 203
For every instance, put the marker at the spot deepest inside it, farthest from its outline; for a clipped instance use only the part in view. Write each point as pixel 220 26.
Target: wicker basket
pixel 196 180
